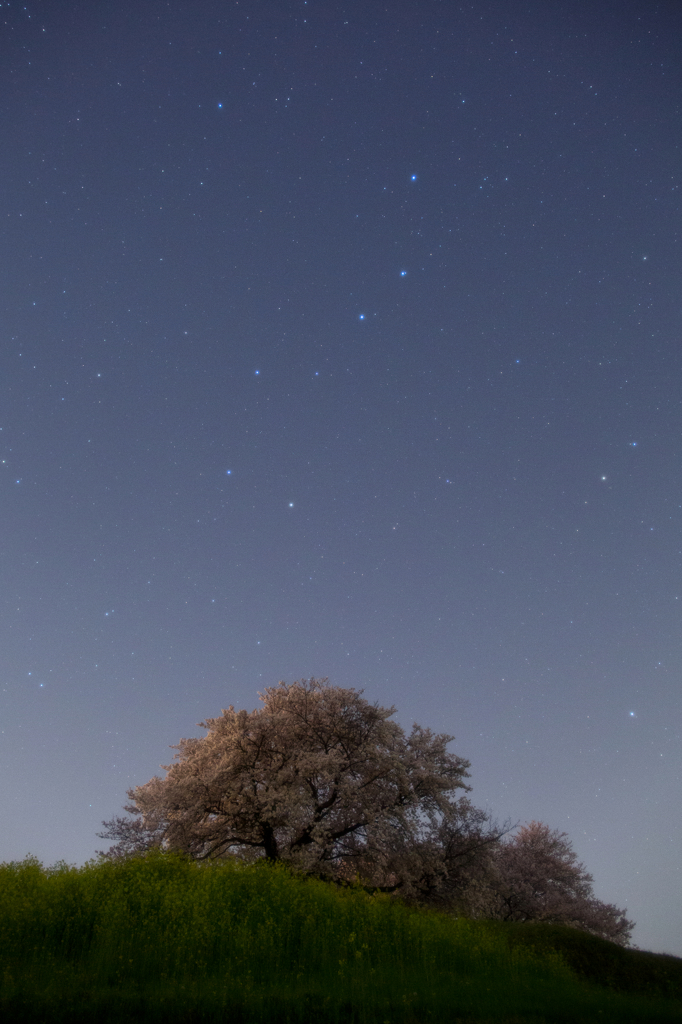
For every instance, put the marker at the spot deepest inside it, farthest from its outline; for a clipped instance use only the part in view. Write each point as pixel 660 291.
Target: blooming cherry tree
pixel 317 776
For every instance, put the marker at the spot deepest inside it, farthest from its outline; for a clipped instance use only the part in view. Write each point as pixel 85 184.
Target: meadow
pixel 164 940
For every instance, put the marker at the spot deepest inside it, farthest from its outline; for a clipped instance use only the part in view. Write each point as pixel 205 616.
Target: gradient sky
pixel 344 340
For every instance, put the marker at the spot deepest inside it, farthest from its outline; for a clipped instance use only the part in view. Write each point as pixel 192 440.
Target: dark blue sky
pixel 345 340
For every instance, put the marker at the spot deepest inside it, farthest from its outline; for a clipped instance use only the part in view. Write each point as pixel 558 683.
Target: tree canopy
pixel 538 877
pixel 317 776
pixel 323 780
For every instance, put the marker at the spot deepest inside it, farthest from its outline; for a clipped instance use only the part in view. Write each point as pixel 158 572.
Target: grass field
pixel 164 940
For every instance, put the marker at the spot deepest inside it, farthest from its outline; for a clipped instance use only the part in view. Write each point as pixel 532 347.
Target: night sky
pixel 344 340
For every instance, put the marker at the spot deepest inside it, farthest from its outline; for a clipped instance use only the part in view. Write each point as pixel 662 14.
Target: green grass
pixel 162 939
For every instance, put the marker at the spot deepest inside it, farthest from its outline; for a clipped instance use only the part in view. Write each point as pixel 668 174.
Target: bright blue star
pixel 220 106
pixel 403 273
pixel 257 372
pixel 413 178
pixel 633 444
pixel 229 472
pixel 361 317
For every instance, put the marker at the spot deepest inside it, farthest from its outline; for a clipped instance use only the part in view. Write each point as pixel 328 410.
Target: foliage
pixel 601 961
pixel 538 878
pixel 324 781
pixel 317 777
pixel 162 938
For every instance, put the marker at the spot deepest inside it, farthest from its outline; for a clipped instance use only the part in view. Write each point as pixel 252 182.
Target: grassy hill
pixel 162 939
